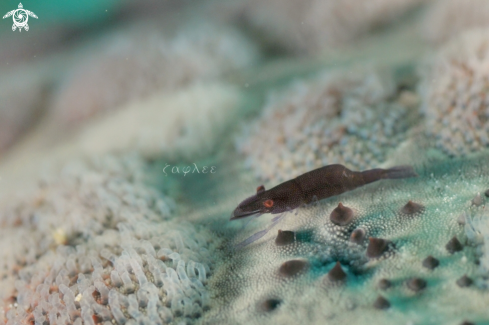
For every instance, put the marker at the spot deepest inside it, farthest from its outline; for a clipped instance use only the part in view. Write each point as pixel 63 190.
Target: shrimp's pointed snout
pixel 239 213
pixel 252 205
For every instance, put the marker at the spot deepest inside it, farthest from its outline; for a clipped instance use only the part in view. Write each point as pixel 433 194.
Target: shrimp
pixel 317 184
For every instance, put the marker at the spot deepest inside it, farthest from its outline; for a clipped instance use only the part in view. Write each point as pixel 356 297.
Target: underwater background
pixel 131 130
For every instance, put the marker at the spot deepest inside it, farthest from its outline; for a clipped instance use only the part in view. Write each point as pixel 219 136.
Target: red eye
pixel 268 203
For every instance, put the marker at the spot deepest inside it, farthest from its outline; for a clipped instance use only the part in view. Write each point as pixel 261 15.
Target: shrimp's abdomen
pixel 336 179
pixel 328 181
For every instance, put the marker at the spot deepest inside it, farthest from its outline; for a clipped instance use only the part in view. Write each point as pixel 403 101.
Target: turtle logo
pixel 20 16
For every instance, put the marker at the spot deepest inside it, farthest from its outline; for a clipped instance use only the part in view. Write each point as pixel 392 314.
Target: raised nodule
pixel 384 284
pixel 341 215
pixel 381 303
pixel 464 281
pixel 376 247
pixel 336 274
pixel 416 284
pixel 284 237
pixel 292 267
pixel 454 245
pixel 270 304
pixel 412 208
pixel 357 236
pixel 430 262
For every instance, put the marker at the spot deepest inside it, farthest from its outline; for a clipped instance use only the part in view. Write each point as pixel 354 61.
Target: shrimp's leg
pixel 261 233
pixel 251 239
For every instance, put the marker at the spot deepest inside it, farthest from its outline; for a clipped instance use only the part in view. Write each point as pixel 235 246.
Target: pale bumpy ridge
pixel 446 19
pixel 139 62
pixel 96 245
pixel 312 26
pixel 455 99
pixel 348 118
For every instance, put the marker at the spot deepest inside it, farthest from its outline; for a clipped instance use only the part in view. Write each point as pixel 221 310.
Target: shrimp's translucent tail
pixel 404 171
pixel 373 175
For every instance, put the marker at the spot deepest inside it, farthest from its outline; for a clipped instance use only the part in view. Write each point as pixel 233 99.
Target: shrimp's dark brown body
pixel 317 184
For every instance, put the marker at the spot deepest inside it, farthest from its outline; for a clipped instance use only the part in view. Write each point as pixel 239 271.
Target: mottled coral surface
pixel 96 244
pixel 355 118
pixel 455 94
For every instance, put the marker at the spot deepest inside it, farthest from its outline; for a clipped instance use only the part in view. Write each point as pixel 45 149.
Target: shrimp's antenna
pixel 250 219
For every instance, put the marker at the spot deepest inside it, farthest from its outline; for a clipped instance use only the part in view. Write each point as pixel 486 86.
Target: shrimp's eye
pixel 268 203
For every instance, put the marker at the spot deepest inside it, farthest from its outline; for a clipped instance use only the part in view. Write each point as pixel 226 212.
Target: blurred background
pixel 40 66
pixel 82 60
